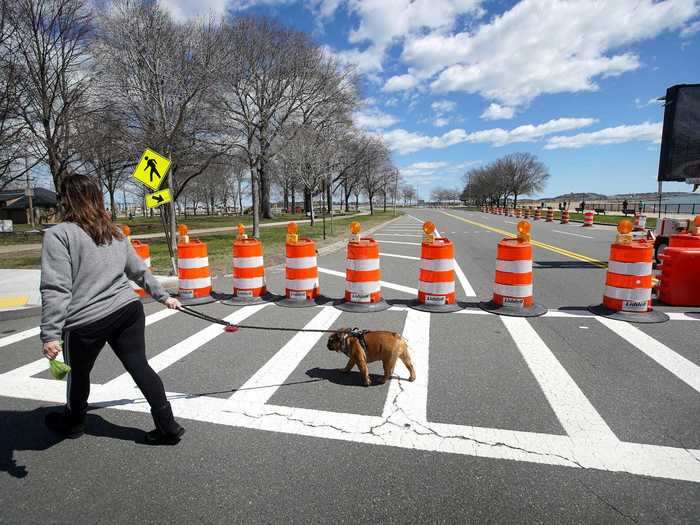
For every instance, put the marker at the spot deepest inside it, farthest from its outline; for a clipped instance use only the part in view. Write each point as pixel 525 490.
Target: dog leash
pixel 230 327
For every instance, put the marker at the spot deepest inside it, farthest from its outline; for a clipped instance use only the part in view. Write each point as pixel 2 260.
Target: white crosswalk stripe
pixel 404 421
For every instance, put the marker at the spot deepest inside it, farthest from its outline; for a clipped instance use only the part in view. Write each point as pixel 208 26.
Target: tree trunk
pixel 385 202
pixel 264 190
pixel 255 195
pixel 329 198
pixel 371 204
pixel 357 203
pixel 286 196
pixel 111 205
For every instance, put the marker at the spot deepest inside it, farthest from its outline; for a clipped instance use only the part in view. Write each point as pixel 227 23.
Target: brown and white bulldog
pixel 365 346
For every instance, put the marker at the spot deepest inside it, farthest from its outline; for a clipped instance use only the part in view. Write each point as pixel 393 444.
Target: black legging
pixel 124 331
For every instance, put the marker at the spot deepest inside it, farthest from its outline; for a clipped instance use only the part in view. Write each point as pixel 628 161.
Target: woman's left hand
pixel 173 303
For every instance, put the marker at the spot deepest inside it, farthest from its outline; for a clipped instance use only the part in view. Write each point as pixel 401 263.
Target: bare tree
pixel 277 79
pixel 51 38
pixel 13 138
pixel 102 149
pixel 161 75
pixel 372 170
pixel 525 174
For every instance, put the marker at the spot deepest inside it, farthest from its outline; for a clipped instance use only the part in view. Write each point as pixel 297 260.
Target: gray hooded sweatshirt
pixel 82 282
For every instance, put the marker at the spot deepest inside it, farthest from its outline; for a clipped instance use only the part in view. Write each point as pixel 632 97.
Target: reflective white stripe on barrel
pixel 514 266
pixel 248 262
pixel 523 290
pixel 362 265
pixel 437 265
pixel 622 268
pixel 362 287
pixel 301 284
pixel 628 294
pixel 191 284
pixel 194 262
pixel 147 262
pixel 437 288
pixel 247 284
pixel 300 263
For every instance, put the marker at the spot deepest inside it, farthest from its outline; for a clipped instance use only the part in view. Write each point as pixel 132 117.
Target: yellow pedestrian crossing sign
pixel 151 169
pixel 158 198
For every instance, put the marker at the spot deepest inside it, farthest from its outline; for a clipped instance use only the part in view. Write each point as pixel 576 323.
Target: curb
pixel 20 313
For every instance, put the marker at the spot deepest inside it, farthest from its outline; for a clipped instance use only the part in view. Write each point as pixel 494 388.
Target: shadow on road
pixel 352 378
pixel 565 265
pixel 25 430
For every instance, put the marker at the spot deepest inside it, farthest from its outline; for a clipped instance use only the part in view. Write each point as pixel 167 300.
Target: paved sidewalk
pixel 15 248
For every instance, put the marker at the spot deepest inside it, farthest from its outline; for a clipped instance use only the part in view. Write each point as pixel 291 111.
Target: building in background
pixel 14 205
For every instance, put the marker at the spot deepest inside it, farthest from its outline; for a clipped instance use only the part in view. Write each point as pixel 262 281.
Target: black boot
pixel 167 431
pixel 66 424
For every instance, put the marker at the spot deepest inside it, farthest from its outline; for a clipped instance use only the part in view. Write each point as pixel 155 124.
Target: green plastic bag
pixel 58 368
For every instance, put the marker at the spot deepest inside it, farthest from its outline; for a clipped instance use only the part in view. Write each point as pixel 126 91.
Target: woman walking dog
pixel 87 301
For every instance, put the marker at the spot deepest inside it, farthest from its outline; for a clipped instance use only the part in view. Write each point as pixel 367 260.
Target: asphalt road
pixel 563 418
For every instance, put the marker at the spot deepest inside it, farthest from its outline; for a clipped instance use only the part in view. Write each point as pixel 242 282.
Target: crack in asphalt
pixel 608 503
pixel 414 426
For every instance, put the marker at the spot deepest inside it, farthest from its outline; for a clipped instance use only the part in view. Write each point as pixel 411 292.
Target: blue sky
pixel 450 84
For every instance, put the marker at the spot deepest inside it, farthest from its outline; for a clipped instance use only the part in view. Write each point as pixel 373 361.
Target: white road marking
pixel 38 366
pixel 576 414
pixel 550 449
pixel 19 336
pixel 510 222
pixel 385 284
pixel 409 400
pixel 399 242
pixel 397 235
pixel 185 347
pixel 682 368
pixel 410 257
pixel 265 382
pixel 574 234
pixel 466 285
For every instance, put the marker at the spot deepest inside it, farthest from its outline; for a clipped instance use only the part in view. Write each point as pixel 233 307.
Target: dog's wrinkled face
pixel 335 342
pixel 338 340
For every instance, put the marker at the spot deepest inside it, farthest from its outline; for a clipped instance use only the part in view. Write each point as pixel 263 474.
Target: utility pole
pixel 396 188
pixel 29 192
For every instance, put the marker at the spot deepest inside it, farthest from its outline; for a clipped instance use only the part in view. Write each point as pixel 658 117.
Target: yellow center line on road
pixel 539 244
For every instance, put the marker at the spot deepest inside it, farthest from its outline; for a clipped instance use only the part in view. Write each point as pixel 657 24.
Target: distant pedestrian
pixel 625 204
pixel 641 206
pixel 87 301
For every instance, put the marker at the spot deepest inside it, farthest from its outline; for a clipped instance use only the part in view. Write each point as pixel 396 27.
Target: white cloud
pixel 392 102
pixel 441 122
pixel 382 21
pixel 651 102
pixel 440 107
pixel 496 112
pixel 648 131
pixel 367 62
pixel 542 46
pixel 373 119
pixel 187 9
pixel 403 141
pixel 435 172
pixel 691 29
pixel 400 83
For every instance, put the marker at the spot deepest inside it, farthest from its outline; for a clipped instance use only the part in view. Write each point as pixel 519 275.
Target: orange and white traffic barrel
pixel 144 253
pixel 538 214
pixel 248 270
pixel 362 275
pixel 628 281
pixel 640 222
pixel 194 279
pixel 518 213
pixel 436 280
pixel 564 217
pixel 550 215
pixel 588 216
pixel 513 284
pixel 300 270
pixel 526 212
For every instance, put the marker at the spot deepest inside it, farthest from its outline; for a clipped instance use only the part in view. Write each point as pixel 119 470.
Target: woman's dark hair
pixel 84 205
